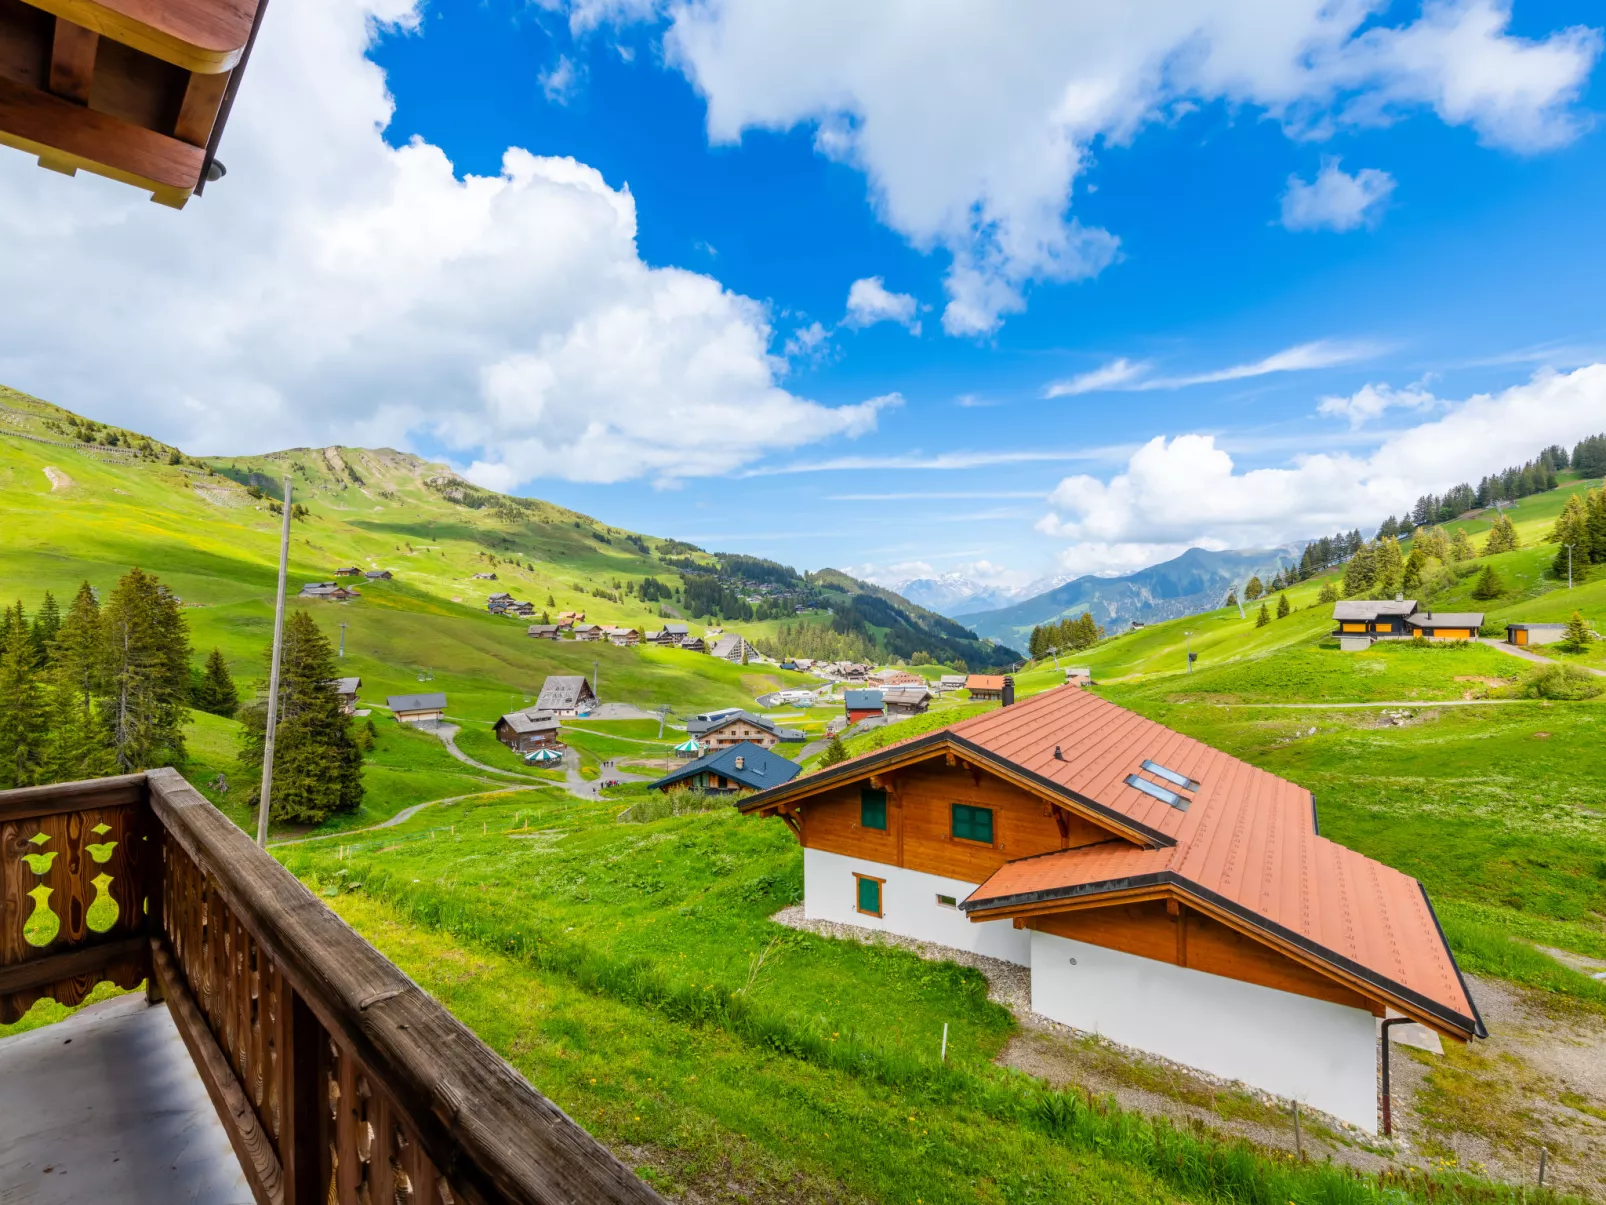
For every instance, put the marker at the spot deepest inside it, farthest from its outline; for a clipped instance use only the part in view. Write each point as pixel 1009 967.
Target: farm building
pixel 588 631
pixel 348 571
pixel 378 575
pixel 734 770
pixel 732 726
pixel 543 631
pixel 572 617
pixel 951 682
pixel 1535 633
pixel 417 709
pixel 623 637
pixel 519 610
pixel 693 644
pixel 347 689
pixel 529 730
pixel 566 695
pixel 734 648
pixel 484 577
pixel 328 591
pixel 1361 621
pixel 863 704
pixel 906 700
pixel 1445 625
pixel 1071 836
pixel 988 686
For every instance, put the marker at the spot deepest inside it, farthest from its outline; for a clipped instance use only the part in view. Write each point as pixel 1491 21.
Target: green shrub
pixel 1562 682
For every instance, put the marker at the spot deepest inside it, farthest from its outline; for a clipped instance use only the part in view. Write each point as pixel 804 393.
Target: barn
pixel 1163 894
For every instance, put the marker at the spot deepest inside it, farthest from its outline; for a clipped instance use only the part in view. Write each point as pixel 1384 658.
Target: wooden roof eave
pixel 1169 885
pixel 207 37
pixel 957 747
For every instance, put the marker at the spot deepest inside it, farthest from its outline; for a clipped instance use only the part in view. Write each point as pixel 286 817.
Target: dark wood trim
pixel 476 1119
pixel 72 61
pixel 301 1130
pixel 82 961
pixel 24 803
pixel 251 1145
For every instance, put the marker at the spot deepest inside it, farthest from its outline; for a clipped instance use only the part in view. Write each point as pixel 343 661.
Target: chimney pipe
pixel 1009 689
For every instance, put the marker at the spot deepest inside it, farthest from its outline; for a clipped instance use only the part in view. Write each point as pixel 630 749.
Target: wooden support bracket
pixel 72 61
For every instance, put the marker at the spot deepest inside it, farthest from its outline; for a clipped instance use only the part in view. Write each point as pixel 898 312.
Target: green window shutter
pixel 973 824
pixel 870 896
pixel 872 808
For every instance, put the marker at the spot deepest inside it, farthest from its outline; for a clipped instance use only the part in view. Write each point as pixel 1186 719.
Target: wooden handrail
pixel 336 1077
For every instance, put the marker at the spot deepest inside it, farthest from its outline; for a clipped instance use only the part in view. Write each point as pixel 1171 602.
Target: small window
pixel 869 895
pixel 1171 776
pixel 873 808
pixel 947 901
pixel 973 824
pixel 1158 792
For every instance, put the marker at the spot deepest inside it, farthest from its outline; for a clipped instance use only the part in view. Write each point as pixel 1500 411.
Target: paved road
pixel 447 733
pixel 407 814
pixel 1530 655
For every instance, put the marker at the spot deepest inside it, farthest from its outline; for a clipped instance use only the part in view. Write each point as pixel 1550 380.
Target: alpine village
pixel 369 833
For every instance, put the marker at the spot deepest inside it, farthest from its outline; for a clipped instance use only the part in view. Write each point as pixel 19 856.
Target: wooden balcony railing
pixel 337 1079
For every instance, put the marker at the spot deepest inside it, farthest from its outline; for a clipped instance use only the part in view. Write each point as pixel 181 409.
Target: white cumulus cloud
pixel 333 288
pixel 972 121
pixel 1336 200
pixel 1184 491
pixel 870 302
pixel 1371 401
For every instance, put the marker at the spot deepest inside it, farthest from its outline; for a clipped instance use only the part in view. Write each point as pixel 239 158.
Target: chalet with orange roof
pixel 1164 894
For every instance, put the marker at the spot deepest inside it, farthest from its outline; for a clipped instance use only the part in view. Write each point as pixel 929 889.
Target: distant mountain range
pixel 1196 581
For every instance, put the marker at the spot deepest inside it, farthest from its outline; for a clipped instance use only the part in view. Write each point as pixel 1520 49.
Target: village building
pixel 904 701
pixel 1445 625
pixel 896 677
pixel 347 689
pixel 378 575
pixel 328 591
pixel 670 633
pixel 529 730
pixel 484 577
pixel 1079 675
pixel 734 648
pixel 497 603
pixel 732 726
pixel 1535 633
pixel 428 709
pixel 543 631
pixel 623 637
pixel 519 610
pixel 1163 894
pixel 572 617
pixel 1361 621
pixel 588 631
pixel 737 769
pixel 348 571
pixel 693 644
pixel 860 705
pixel 566 696
pixel 950 682
pixel 988 686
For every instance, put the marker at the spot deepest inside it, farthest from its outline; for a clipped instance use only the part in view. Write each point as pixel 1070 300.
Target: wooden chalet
pixel 1164 894
pixel 588 631
pixel 484 577
pixel 497 603
pixel 621 636
pixel 134 90
pixel 670 633
pixel 378 575
pixel 693 644
pixel 736 769
pixel 274 1055
pixel 901 701
pixel 328 591
pixel 347 689
pixel 529 730
pixel 348 571
pixel 988 686
pixel 716 730
pixel 418 709
pixel 543 631
pixel 566 696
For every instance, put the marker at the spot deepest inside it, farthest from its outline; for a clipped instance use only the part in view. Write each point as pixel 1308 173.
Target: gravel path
pixel 406 814
pixel 1530 655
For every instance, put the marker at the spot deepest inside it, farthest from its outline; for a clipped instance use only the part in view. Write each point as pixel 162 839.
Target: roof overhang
pixel 1167 884
pixel 924 748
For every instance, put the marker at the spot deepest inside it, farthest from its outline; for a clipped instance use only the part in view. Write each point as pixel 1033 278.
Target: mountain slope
pixel 1195 581
pixel 903 627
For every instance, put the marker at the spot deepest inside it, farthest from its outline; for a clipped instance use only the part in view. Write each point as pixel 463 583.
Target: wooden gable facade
pixel 737 730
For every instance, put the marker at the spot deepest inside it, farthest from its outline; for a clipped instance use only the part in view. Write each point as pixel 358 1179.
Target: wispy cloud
pixel 925 495
pixel 940 461
pixel 1133 376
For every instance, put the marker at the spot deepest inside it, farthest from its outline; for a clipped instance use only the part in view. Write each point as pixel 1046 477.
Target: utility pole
pixel 663 713
pixel 273 676
pixel 342 638
pixel 594 679
pixel 1188 638
pixel 1569 566
pixel 1055 653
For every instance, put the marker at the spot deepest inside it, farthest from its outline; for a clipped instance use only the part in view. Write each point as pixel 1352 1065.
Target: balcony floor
pixel 106 1106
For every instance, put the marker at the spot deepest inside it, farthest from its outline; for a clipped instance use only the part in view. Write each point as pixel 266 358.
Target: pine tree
pixel 1460 546
pixel 835 751
pixel 1282 606
pixel 78 747
pixel 1329 593
pixel 1578 634
pixel 550 601
pixel 1360 571
pixel 317 765
pixel 215 692
pixel 1264 617
pixel 1489 585
pixel 1502 537
pixel 22 713
pixel 1254 589
pixel 145 650
pixel 45 625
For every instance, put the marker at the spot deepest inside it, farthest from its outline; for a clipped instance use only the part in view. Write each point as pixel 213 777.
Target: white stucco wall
pixel 908 906
pixel 1322 1054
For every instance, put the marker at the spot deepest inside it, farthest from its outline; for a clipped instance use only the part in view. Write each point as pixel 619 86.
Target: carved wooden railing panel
pixel 72 891
pixel 337 1079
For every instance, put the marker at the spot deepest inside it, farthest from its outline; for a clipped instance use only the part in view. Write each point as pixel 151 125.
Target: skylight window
pixel 1158 792
pixel 1181 780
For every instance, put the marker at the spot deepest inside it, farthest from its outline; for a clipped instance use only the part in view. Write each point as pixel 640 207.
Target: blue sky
pixel 1392 209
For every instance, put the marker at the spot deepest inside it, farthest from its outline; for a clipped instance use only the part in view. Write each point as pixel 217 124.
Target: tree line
pixel 103 689
pixel 1065 636
pixel 1580 533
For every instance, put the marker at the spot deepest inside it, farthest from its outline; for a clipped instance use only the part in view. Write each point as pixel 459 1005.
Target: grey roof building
pixel 566 694
pixel 417 706
pixel 743 767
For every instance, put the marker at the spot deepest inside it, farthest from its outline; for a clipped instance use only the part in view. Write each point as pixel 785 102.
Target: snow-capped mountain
pixel 956 594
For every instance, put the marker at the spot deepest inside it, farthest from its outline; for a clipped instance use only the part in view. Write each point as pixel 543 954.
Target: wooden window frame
pixel 880 895
pixel 865 791
pixel 992 825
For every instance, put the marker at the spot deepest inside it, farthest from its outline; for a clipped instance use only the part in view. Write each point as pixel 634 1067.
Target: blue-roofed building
pixel 863 704
pixel 733 770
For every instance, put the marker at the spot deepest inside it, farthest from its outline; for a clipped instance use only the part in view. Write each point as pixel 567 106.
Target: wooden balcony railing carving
pixel 336 1077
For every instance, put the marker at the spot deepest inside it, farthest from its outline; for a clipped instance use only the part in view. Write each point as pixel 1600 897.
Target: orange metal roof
pixel 1247 843
pixel 985 682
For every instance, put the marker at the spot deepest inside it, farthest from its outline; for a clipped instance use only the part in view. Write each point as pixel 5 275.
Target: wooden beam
pixel 41 124
pixel 24 803
pixel 207 36
pixel 203 96
pixel 252 1146
pixel 72 61
pixel 83 961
